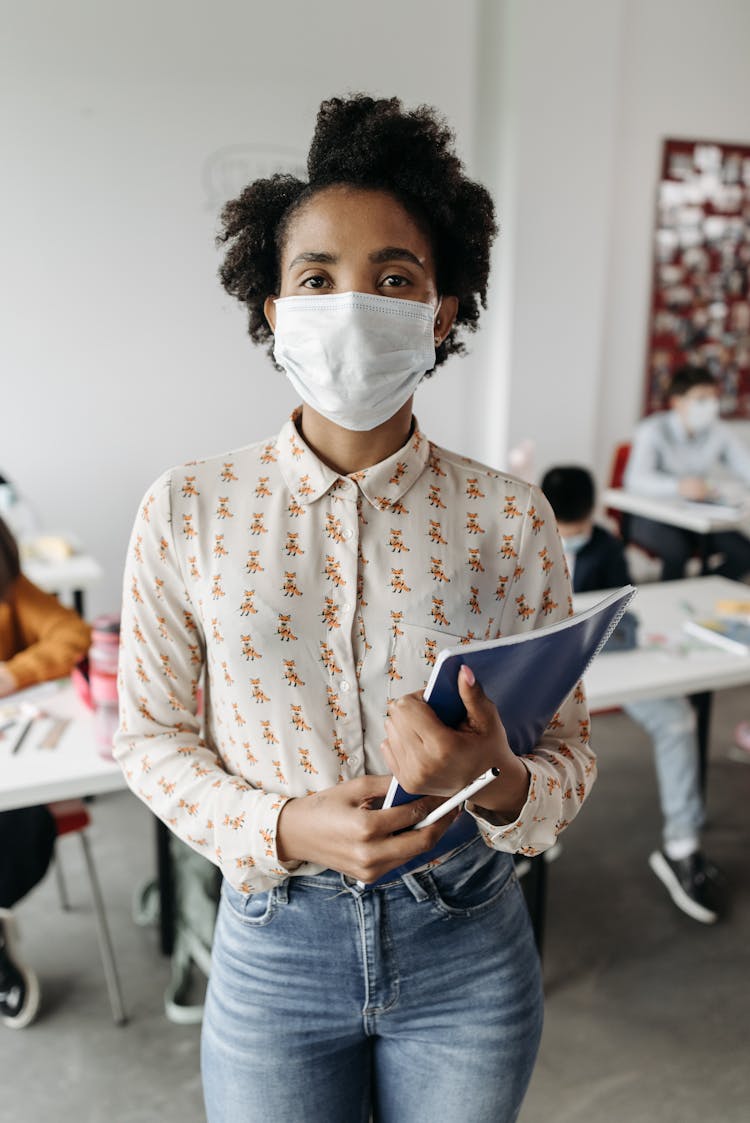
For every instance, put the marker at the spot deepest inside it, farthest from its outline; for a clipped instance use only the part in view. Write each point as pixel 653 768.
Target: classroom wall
pixel 126 128
pixel 594 89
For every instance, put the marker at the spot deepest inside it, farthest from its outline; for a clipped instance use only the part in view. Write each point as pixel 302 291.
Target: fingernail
pixel 468 674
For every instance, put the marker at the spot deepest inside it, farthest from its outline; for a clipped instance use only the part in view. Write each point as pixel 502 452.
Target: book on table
pixel 528 675
pixel 730 633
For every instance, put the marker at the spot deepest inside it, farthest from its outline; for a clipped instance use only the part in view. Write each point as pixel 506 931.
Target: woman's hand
pixel 343 828
pixel 428 756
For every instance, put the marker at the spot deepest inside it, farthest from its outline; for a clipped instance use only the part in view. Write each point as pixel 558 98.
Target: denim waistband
pixel 469 854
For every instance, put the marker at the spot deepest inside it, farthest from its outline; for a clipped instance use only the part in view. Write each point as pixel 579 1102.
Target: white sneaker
pixel 688 882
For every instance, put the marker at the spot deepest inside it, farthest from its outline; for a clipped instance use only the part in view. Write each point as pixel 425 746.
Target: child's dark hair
pixel 371 143
pixel 570 491
pixel 10 565
pixel 686 378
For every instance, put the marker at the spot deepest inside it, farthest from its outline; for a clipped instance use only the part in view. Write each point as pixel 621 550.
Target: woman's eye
pixel 315 282
pixel 394 281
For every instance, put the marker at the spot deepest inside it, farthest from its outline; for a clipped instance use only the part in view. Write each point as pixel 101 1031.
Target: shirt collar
pixel 383 484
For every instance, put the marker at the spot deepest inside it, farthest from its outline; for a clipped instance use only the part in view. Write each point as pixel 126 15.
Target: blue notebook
pixel 528 676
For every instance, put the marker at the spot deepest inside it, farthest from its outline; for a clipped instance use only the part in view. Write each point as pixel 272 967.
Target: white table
pixel 703 518
pixel 71 577
pixel 683 664
pixel 73 769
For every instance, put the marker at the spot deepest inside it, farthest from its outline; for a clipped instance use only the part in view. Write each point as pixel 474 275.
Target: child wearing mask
pixel 39 640
pixel 596 560
pixel 313 577
pixel 675 454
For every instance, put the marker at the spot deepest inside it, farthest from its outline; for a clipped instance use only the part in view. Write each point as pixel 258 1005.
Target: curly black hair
pixel 372 143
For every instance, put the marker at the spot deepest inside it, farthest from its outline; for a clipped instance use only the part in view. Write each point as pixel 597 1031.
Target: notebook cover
pixel 528 676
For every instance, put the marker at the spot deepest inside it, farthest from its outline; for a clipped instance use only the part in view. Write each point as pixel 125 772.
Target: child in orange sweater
pixel 39 640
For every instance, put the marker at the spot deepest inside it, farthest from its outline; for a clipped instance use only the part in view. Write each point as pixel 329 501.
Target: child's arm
pixel 54 638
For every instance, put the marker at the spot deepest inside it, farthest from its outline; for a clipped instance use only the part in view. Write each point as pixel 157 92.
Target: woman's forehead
pixel 343 217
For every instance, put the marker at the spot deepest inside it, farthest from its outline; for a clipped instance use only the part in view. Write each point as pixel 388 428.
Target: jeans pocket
pixel 253 909
pixel 474 887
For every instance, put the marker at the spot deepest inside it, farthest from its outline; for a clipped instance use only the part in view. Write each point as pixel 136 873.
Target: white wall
pixel 549 159
pixel 124 127
pixel 119 352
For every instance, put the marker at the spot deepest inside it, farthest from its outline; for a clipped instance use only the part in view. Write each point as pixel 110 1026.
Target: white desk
pixel 73 769
pixel 71 577
pixel 684 665
pixel 703 518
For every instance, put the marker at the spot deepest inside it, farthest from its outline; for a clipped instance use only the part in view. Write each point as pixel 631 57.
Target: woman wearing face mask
pixel 313 577
pixel 674 455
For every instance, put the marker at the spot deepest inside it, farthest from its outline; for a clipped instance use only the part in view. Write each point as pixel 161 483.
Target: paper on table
pixel 25 701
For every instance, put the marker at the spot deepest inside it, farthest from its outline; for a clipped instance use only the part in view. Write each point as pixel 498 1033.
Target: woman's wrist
pixel 288 843
pixel 505 797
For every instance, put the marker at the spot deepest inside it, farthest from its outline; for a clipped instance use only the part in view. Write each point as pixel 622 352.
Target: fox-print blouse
pixel 294 602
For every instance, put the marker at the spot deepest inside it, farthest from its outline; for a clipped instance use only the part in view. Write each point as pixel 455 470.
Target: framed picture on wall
pixel 700 302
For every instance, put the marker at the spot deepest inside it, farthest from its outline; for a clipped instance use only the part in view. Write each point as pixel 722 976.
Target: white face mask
pixel 353 357
pixel 574 543
pixel 701 413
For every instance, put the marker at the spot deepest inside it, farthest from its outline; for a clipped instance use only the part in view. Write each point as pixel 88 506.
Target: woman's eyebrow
pixel 377 257
pixel 394 253
pixel 320 258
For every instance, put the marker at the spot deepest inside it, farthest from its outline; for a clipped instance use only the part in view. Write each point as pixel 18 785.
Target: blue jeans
pixel 671 725
pixel 419 1000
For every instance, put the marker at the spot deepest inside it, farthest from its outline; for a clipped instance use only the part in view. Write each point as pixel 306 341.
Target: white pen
pixel 454 801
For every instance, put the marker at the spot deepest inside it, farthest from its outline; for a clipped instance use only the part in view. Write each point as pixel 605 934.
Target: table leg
pixel 702 705
pixel 166 888
pixel 534 885
pixel 78 602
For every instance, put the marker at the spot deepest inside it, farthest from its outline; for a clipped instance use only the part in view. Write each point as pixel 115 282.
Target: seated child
pixel 596 560
pixel 677 454
pixel 39 640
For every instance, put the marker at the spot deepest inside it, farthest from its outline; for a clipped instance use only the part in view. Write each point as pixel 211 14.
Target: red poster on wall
pixel 700 306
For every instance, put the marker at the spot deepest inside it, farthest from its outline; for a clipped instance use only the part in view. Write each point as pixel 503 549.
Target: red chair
pixel 616 478
pixel 71 817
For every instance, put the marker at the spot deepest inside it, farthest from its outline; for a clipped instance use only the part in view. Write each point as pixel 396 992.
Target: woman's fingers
pixel 344 828
pixel 383 852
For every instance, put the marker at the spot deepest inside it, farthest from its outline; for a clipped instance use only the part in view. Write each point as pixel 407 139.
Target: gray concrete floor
pixel 648 1012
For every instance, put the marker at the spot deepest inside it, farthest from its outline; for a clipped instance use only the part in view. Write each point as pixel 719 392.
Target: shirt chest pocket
pixel 412 655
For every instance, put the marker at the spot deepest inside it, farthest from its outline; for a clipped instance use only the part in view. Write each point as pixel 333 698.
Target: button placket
pixel 344 639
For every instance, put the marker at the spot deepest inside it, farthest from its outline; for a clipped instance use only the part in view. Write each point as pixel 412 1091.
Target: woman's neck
pixel 347 451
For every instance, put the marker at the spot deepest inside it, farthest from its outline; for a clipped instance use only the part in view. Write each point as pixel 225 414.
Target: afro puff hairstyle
pixel 370 143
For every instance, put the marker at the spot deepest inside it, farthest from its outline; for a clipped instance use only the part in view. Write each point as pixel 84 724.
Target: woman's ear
pixel 269 311
pixel 447 311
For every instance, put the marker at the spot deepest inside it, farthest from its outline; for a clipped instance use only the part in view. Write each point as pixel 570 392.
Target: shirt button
pixel 345 608
pixel 345 686
pixel 348 533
